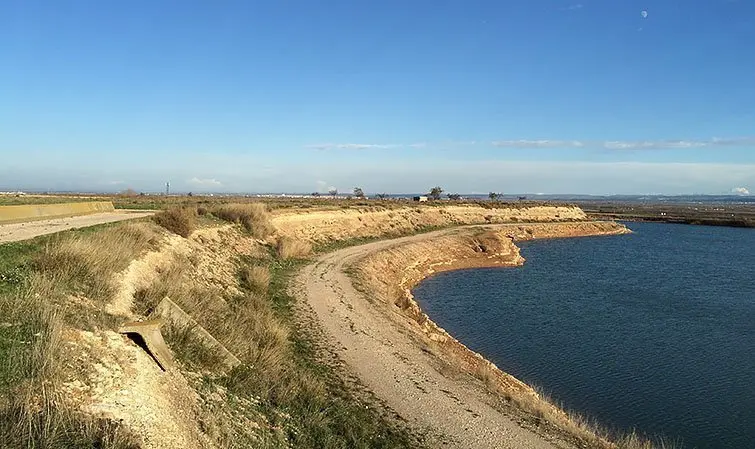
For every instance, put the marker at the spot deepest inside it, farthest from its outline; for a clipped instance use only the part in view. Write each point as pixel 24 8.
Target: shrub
pixel 181 220
pixel 256 278
pixel 254 217
pixel 289 248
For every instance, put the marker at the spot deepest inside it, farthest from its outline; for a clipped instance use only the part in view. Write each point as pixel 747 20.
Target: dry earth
pixel 324 226
pixel 24 231
pixel 395 356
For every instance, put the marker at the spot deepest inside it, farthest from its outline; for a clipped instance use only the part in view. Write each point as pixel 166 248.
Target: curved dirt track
pixel 457 412
pixel 25 231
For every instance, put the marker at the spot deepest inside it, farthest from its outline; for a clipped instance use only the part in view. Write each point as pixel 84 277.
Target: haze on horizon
pixel 587 97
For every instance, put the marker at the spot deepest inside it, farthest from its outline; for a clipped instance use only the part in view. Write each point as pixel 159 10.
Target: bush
pixel 254 217
pixel 181 221
pixel 289 248
pixel 256 278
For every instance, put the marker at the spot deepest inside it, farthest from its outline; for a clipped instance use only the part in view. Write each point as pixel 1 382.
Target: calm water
pixel 653 331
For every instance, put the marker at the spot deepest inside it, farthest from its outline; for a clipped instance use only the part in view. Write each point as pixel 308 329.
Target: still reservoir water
pixel 653 331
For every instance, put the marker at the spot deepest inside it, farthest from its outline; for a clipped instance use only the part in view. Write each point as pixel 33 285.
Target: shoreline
pixel 453 381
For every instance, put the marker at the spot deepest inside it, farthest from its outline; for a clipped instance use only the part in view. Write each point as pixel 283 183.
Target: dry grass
pixel 289 248
pixel 85 263
pixel 33 416
pixel 179 220
pixel 254 217
pixel 255 278
pixel 245 325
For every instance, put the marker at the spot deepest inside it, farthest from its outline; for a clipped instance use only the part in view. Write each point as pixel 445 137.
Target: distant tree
pixel 435 192
pixel 128 192
pixel 333 192
pixel 315 193
pixel 190 194
pixel 494 196
pixel 382 196
pixel 454 196
pixel 358 192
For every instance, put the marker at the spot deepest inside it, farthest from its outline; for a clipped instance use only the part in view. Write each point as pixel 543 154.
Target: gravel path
pixel 392 364
pixel 24 231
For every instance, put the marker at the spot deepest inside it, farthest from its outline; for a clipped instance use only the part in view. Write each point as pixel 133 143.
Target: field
pixel 712 214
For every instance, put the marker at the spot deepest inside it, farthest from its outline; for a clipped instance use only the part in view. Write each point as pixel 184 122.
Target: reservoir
pixel 653 331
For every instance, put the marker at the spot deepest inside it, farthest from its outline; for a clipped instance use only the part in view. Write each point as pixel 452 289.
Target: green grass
pixel 15 263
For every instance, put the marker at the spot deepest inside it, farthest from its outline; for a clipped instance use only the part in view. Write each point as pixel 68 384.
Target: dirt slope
pixel 402 365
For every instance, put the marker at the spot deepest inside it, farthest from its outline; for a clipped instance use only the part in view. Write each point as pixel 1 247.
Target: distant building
pixel 421 199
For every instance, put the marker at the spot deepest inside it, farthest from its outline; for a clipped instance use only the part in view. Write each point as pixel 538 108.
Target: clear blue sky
pixel 587 96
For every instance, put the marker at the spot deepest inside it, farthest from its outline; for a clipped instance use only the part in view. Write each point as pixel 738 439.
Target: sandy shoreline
pixel 415 367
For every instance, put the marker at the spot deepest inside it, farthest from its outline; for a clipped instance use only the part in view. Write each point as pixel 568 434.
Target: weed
pixel 289 248
pixel 255 278
pixel 254 217
pixel 180 220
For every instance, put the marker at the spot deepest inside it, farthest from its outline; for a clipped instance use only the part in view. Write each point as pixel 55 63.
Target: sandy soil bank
pixel 414 366
pixel 24 231
pixel 324 226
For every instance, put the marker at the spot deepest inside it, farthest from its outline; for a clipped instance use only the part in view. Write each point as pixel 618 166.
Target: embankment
pixel 33 212
pixel 327 226
pixel 390 273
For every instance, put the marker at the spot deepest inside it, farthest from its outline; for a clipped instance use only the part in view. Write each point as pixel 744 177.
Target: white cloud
pixel 618 145
pixel 573 7
pixel 654 144
pixel 350 146
pixel 204 182
pixel 364 146
pixel 627 144
pixel 740 191
pixel 524 143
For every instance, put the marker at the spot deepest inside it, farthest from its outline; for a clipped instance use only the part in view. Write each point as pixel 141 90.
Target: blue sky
pixel 397 96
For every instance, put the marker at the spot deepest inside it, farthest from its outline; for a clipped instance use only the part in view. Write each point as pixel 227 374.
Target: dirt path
pixel 394 366
pixel 24 231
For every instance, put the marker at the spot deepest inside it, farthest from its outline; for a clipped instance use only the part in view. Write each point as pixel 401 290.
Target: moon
pixel 644 14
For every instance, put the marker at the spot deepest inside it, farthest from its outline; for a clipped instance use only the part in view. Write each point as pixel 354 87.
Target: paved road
pixel 24 231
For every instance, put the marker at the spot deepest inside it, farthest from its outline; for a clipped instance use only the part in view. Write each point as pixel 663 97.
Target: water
pixel 653 331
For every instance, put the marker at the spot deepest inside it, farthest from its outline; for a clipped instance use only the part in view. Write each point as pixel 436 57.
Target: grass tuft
pixel 290 248
pixel 254 217
pixel 255 278
pixel 180 220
